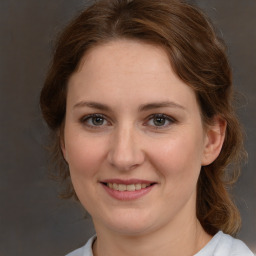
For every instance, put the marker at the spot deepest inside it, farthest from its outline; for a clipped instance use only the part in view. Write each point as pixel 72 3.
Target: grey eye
pixel 97 120
pixel 159 121
pixel 94 120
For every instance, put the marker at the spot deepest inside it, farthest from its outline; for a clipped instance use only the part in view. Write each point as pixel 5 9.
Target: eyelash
pixel 167 118
pixel 85 120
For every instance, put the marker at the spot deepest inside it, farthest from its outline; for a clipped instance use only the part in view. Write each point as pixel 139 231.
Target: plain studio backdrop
pixel 33 220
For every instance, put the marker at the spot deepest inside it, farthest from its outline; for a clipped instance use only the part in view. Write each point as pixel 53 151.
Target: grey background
pixel 33 220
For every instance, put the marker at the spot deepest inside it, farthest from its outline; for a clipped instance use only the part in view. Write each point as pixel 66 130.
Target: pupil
pixel 159 121
pixel 97 120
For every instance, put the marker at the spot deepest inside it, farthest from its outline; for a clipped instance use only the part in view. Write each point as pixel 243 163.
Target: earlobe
pixel 215 136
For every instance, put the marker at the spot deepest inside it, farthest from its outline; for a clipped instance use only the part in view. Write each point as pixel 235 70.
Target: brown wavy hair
pixel 199 59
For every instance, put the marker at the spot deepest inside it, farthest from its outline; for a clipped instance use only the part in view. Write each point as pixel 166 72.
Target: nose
pixel 125 151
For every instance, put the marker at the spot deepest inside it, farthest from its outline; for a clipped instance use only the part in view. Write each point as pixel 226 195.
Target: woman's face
pixel 133 139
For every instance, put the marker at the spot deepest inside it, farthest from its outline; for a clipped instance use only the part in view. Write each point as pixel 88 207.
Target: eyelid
pixel 161 115
pixel 85 118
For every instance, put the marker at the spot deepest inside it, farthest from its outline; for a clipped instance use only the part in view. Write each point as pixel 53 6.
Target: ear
pixel 214 139
pixel 62 146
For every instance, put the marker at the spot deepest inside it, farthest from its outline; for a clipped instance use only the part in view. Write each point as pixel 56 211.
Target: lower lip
pixel 127 195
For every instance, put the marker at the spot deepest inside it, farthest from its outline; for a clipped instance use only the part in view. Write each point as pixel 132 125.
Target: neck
pixel 172 240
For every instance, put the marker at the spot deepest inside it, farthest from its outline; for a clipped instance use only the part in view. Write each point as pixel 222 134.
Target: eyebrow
pixel 144 107
pixel 165 104
pixel 91 104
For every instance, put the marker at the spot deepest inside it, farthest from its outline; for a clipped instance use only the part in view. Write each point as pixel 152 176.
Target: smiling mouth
pixel 129 187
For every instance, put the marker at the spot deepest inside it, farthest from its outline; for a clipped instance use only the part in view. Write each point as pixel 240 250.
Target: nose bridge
pixel 125 150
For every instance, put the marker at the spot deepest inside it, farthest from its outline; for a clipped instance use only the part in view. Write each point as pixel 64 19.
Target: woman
pixel 139 99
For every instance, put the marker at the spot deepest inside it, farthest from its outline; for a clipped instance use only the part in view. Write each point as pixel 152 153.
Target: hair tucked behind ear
pixel 197 57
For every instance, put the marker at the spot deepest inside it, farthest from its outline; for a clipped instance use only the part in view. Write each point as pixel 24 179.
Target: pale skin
pixel 129 116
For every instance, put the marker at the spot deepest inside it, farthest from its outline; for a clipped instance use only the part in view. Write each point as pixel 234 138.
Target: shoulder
pixel 225 245
pixel 235 246
pixel 86 250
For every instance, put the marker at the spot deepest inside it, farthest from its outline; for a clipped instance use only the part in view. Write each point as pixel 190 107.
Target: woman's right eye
pixel 94 121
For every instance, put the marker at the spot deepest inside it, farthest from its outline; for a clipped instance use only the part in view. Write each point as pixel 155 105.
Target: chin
pixel 131 230
pixel 130 223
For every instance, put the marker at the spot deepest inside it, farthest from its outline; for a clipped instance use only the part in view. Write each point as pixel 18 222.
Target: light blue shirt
pixel 220 245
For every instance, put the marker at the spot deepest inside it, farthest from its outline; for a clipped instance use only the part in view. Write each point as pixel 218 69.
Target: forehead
pixel 127 70
pixel 129 53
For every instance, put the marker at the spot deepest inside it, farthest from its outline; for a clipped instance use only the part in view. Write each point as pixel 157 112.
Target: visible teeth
pixel 121 187
pixel 130 187
pixel 137 186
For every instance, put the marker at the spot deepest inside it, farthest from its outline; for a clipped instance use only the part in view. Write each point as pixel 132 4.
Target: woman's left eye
pixel 160 121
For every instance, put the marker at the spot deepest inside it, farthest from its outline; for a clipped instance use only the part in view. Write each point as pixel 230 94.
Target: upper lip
pixel 128 181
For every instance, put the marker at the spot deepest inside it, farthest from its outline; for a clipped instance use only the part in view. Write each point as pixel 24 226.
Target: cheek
pixel 178 160
pixel 85 159
pixel 85 155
